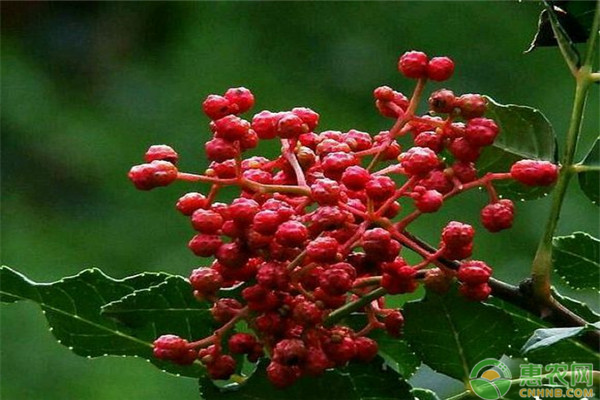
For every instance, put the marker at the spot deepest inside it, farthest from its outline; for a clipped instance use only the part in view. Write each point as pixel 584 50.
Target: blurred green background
pixel 87 87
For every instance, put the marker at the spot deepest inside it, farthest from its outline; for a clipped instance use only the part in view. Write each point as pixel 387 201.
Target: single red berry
pixel 307 313
pixel 463 150
pixel 290 126
pixel 472 105
pixel 474 272
pixel 380 187
pixel 308 116
pixel 391 149
pixel 316 362
pixel 170 347
pixel 419 161
pixel 481 131
pixel 394 322
pixel 440 68
pixel 464 171
pixel 216 107
pixel 289 352
pixel 222 367
pixel 458 252
pixel 366 349
pixel 498 216
pixel 249 140
pixel 457 234
pixel 437 281
pixel 205 245
pixel 357 140
pixel 476 292
pixel 437 180
pixel 206 281
pixel 323 249
pixel 376 240
pixel 325 191
pixel 430 201
pixel 265 124
pixel 207 221
pixel 383 93
pixel 232 255
pixel 534 172
pixel 291 234
pixel 220 150
pixel 161 152
pixel 340 350
pixel 242 343
pixel 190 202
pixel 272 275
pixel 355 177
pixel 398 278
pixel 442 101
pixel 334 164
pixel 225 309
pixel 242 211
pixel 335 281
pixel 413 64
pixel 152 175
pixel 266 222
pixel 241 97
pixel 282 376
pixel 430 140
pixel 231 128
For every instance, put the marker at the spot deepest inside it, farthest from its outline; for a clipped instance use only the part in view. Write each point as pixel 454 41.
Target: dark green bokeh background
pixel 87 87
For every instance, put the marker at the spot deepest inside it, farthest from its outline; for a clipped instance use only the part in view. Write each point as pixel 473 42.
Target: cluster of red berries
pixel 318 232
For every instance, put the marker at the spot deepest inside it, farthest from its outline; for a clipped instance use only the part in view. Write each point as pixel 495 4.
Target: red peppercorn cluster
pixel 319 231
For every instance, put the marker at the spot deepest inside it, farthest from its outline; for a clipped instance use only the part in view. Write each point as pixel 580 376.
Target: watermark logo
pixel 490 379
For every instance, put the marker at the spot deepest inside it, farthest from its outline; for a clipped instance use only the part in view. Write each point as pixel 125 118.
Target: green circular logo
pixel 490 379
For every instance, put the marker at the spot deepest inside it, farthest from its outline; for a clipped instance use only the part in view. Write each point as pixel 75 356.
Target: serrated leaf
pixel 73 305
pixel 547 337
pixel 576 258
pixel 424 394
pixel 370 381
pixel 579 308
pixel 451 334
pixel 568 350
pixel 589 181
pixel 525 133
pixel 574 18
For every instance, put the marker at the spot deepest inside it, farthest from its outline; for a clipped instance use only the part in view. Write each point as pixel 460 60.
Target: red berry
pixel 241 97
pixel 440 68
pixel 472 105
pixel 413 64
pixel 152 175
pixel 384 93
pixel 458 252
pixel 334 164
pixel 534 173
pixel 266 222
pixel 291 234
pixel 216 107
pixel 282 376
pixel 220 150
pixel 307 313
pixel 498 216
pixel 430 140
pixel 419 161
pixel 242 343
pixel 316 362
pixel 190 202
pixel 206 281
pixel 394 322
pixel 161 152
pixel 290 126
pixel 477 292
pixel 205 245
pixel 430 201
pixel 442 101
pixel 474 272
pixel 355 177
pixel 222 367
pixel 225 309
pixel 335 281
pixel 398 278
pixel 232 255
pixel 463 150
pixel 265 124
pixel 325 191
pixel 380 187
pixel 207 221
pixel 357 140
pixel 457 234
pixel 340 350
pixel 376 240
pixel 242 211
pixel 464 171
pixel 308 116
pixel 231 128
pixel 437 281
pixel 170 347
pixel 366 349
pixel 481 131
pixel 272 275
pixel 289 352
pixel 323 249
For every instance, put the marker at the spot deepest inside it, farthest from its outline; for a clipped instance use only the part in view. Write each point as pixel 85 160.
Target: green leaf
pixel 370 381
pixel 451 334
pixel 73 306
pixel 579 308
pixel 589 181
pixel 573 19
pixel 424 394
pixel 568 350
pixel 576 260
pixel 525 133
pixel 547 337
